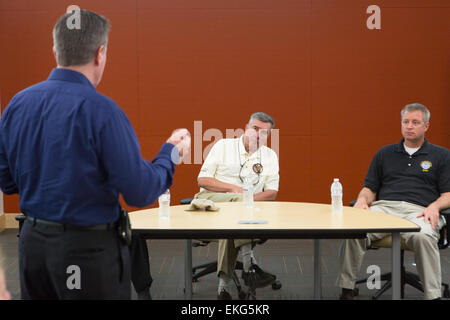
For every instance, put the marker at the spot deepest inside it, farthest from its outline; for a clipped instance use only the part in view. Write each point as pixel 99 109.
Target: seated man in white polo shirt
pixel 221 178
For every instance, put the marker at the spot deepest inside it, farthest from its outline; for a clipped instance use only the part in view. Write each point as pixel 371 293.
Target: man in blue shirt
pixel 69 152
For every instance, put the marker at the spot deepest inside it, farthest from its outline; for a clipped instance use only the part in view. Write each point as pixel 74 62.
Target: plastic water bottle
pixel 336 196
pixel 164 205
pixel 247 190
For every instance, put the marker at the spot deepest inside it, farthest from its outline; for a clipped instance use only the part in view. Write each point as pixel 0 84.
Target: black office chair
pixel 211 267
pixel 407 277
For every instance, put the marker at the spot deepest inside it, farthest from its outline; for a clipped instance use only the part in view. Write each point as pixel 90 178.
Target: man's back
pixel 51 134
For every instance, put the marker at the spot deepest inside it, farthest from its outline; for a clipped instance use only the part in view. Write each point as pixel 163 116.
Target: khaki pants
pixel 423 243
pixel 228 249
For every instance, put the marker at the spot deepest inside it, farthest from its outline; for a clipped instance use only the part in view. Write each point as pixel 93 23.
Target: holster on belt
pixel 124 227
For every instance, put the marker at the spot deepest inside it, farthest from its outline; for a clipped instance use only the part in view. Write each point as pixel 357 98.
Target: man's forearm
pixel 366 195
pixel 268 195
pixel 215 185
pixel 443 202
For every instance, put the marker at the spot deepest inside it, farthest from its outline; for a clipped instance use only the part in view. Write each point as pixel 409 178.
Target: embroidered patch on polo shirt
pixel 425 165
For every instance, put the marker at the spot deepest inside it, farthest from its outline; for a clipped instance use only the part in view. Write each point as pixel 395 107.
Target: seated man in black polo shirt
pixel 411 180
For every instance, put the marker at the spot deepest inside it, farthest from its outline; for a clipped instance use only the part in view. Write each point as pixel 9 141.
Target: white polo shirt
pixel 226 157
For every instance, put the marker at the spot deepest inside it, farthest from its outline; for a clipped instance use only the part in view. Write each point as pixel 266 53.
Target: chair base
pixel 211 267
pixel 208 268
pixel 407 277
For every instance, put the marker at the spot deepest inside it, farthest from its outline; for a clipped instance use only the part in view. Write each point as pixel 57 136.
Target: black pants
pixel 140 265
pixel 57 263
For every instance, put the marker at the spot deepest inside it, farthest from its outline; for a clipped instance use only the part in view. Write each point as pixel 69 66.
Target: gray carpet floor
pixel 290 260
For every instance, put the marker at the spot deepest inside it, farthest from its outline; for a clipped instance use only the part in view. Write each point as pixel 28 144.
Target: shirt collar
pixel 70 76
pixel 424 148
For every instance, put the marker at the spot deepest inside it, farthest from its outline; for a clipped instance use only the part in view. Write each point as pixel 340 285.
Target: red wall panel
pixel 334 87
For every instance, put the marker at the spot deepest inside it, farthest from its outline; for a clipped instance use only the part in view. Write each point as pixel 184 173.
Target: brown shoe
pixel 348 294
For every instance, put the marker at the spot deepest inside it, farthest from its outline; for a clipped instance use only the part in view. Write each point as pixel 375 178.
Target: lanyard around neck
pixel 257 167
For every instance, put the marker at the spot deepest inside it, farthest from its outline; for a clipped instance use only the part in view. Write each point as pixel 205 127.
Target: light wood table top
pixel 293 220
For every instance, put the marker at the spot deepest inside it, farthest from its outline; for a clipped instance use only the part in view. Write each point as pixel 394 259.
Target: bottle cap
pixel 336 179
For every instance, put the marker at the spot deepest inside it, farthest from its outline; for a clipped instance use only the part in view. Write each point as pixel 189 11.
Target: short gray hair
pixel 77 47
pixel 261 116
pixel 417 107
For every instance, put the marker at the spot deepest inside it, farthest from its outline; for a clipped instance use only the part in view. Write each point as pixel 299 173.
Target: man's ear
pixel 54 54
pixel 100 54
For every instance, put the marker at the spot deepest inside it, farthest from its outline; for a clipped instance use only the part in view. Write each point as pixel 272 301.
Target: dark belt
pixel 35 221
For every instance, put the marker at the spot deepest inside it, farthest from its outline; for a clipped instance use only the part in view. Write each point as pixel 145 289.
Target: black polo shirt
pixel 419 178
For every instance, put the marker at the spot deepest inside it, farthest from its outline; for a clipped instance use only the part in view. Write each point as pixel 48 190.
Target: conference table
pixel 272 220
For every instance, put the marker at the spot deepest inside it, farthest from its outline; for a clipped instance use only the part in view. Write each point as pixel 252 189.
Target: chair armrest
pixel 445 212
pixel 200 243
pixel 21 219
pixel 186 200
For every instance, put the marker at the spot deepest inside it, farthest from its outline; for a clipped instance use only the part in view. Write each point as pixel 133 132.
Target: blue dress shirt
pixel 70 151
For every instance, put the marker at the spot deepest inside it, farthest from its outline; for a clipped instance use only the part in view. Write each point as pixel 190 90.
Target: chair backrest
pixel 444 239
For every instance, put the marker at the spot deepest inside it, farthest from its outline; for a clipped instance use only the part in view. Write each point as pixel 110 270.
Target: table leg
pixel 188 270
pixel 317 273
pixel 396 266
